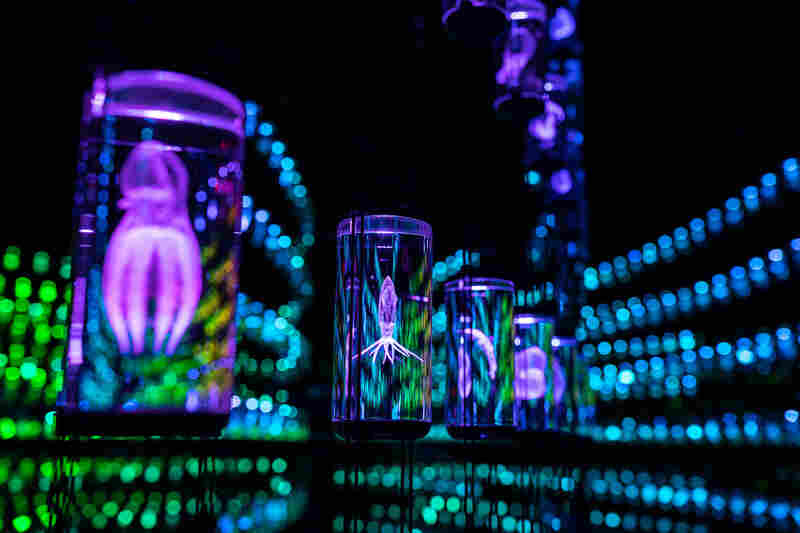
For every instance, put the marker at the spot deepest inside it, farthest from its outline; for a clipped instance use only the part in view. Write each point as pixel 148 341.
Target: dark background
pixel 685 105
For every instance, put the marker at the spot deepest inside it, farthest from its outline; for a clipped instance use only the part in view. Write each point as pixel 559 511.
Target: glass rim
pixel 385 225
pixel 479 284
pixel 563 341
pixel 531 318
pixel 164 79
pixel 487 4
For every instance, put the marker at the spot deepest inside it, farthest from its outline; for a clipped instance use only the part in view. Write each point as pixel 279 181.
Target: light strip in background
pixel 683 240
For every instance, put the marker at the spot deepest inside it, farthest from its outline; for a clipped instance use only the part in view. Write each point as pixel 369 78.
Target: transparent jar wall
pixel 533 356
pixel 583 395
pixel 382 357
pixel 157 213
pixel 561 411
pixel 480 357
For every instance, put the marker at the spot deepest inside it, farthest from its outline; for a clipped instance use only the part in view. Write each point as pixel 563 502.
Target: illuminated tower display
pixel 382 328
pixel 480 358
pixel 152 323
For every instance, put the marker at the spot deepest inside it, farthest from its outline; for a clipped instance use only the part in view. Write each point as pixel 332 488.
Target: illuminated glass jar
pixel 535 375
pixel 157 215
pixel 480 358
pixel 382 328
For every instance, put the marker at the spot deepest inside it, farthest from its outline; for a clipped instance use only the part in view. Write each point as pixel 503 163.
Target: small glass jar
pixel 382 328
pixel 533 359
pixel 157 217
pixel 480 358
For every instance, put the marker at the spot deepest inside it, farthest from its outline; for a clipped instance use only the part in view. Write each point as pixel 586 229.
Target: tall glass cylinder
pixel 480 358
pixel 382 328
pixel 535 373
pixel 157 215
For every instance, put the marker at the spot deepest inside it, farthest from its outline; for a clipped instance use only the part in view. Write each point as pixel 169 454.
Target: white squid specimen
pixel 387 317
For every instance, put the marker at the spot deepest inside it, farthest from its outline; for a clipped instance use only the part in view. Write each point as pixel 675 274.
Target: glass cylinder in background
pixel 382 328
pixel 157 215
pixel 561 407
pixel 583 396
pixel 480 358
pixel 533 356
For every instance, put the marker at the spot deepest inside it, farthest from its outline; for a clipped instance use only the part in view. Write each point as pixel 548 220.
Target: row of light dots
pixel 678 374
pixel 620 269
pixel 641 489
pixel 603 320
pixel 749 429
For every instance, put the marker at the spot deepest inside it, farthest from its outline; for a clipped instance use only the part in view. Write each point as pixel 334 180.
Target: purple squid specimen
pixel 153 253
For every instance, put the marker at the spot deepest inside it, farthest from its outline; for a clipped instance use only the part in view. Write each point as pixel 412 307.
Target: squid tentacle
pixel 167 300
pixel 188 255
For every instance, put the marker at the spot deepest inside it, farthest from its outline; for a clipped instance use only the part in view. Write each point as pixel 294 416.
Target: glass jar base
pixel 482 432
pixel 381 429
pixel 139 424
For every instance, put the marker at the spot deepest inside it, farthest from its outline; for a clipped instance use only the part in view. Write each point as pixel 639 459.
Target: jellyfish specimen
pixel 530 382
pixel 464 364
pixel 387 317
pixel 153 253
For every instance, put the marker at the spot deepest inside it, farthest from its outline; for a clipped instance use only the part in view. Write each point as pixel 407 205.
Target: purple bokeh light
pixel 545 126
pixel 561 181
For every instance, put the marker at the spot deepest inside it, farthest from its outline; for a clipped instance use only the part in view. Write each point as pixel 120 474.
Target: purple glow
pixel 387 317
pixel 561 181
pixel 154 239
pixel 163 79
pixel 562 25
pixel 518 52
pixel 465 365
pixel 98 96
pixel 527 9
pixel 75 350
pixel 124 110
pixel 545 126
pixel 530 381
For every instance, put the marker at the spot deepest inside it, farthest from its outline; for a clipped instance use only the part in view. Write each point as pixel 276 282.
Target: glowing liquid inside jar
pixel 382 334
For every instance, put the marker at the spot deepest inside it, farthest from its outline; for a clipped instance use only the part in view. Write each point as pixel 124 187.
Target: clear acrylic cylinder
pixel 533 383
pixel 480 358
pixel 382 328
pixel 156 220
